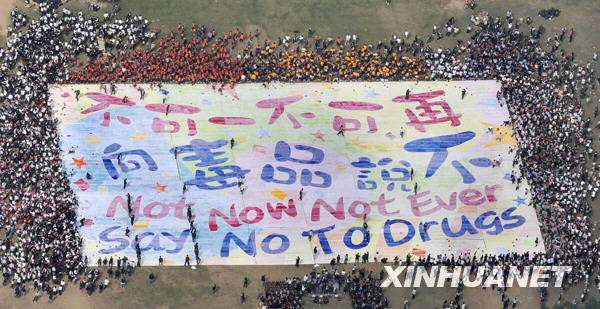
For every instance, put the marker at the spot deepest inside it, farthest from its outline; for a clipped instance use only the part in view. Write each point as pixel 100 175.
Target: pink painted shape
pixel 390 135
pixel 372 124
pixel 105 101
pixel 294 121
pixel 124 120
pixel 191 127
pixel 279 105
pixel 419 97
pixel 340 121
pixel 88 222
pixel 65 95
pixel 106 121
pixel 318 135
pixel 173 108
pixel 355 105
pixel 82 184
pixel 259 148
pixel 159 126
pixel 232 121
pixel 307 115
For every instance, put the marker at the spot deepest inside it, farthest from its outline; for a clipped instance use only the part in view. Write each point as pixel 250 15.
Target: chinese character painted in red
pixel 160 125
pixel 279 104
pixel 106 121
pixel 430 115
pixel 105 101
pixel 339 121
pixel 232 121
pixel 172 109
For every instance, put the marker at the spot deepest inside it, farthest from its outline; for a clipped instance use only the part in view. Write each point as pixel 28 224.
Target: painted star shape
pixel 372 94
pixel 263 133
pixel 519 201
pixel 318 135
pixel 356 142
pixel 78 162
pixel 159 188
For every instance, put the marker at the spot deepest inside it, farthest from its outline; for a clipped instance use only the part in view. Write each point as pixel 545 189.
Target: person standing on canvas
pixel 341 130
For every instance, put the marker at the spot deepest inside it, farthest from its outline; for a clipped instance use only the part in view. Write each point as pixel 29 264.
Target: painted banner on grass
pixel 268 174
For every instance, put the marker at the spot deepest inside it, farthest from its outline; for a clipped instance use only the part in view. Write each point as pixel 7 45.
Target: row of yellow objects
pixel 332 63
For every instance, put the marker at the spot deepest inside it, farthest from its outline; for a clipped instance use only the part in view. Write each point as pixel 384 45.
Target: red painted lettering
pixel 290 210
pixel 259 215
pixel 231 220
pixel 471 197
pixel 338 212
pixel 366 209
pixel 381 205
pixel 489 192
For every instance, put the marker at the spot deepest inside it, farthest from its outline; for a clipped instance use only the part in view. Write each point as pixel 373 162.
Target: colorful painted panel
pixel 268 174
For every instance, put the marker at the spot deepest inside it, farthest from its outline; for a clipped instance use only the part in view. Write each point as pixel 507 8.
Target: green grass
pixel 371 20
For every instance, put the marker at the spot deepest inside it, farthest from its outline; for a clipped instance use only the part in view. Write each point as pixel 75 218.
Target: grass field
pixel 369 19
pixel 179 287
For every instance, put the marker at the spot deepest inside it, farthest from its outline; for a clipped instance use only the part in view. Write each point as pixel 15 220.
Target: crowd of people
pixel 542 85
pixel 324 285
pixel 283 294
pixel 202 56
pixel 544 90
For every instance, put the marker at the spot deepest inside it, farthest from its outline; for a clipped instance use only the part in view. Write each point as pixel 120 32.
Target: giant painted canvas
pixel 285 139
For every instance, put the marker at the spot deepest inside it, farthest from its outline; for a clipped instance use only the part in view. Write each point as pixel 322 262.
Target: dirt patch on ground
pixel 5 9
pixel 455 5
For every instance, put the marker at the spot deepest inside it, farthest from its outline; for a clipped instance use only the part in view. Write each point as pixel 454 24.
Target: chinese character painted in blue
pixel 202 152
pixel 283 153
pixel 364 163
pixel 439 146
pixel 401 173
pixel 126 165
pixel 219 181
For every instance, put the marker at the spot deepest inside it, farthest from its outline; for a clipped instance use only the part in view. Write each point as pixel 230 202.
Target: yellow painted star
pixel 504 132
pixel 279 194
pixel 356 142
